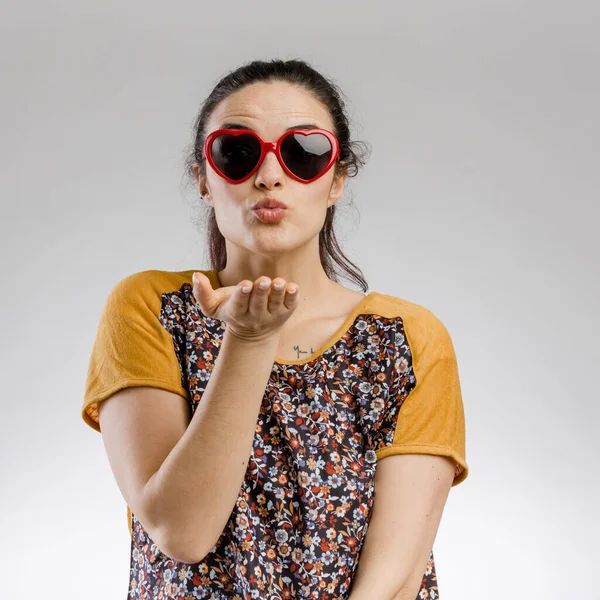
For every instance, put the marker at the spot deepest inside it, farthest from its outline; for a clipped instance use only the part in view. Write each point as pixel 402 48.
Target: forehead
pixel 270 108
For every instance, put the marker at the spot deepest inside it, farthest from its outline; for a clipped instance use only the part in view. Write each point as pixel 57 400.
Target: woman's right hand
pixel 250 316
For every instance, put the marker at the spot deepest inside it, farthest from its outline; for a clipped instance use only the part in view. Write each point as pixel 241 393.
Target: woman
pixel 252 427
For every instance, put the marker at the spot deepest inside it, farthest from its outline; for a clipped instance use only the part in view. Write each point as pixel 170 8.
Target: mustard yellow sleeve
pixel 430 418
pixel 132 346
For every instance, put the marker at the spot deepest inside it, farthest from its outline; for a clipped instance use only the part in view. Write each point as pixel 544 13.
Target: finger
pixel 260 295
pixel 291 296
pixel 277 294
pixel 241 296
pixel 201 288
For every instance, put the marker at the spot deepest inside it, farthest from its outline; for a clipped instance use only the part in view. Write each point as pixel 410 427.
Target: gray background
pixel 479 201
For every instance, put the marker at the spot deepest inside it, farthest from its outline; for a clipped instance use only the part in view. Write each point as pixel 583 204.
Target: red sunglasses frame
pixel 270 147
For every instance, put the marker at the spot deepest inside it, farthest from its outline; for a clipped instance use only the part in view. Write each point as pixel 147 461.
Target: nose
pixel 270 172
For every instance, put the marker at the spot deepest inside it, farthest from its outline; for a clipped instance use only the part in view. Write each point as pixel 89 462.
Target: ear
pixel 337 189
pixel 202 185
pixel 207 198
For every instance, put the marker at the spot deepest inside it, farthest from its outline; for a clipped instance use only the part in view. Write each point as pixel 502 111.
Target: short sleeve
pixel 132 346
pixel 426 413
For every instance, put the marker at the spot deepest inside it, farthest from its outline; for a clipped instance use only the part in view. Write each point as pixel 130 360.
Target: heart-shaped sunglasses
pixel 305 155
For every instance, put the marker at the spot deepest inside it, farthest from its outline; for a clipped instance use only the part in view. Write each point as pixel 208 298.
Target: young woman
pixel 274 433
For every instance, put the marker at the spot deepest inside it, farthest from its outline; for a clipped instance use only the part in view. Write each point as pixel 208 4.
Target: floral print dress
pixel 386 383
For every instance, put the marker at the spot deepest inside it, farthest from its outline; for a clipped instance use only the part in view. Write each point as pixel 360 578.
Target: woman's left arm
pixel 410 494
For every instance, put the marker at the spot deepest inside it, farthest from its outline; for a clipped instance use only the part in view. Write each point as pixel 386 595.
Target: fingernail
pixel 246 288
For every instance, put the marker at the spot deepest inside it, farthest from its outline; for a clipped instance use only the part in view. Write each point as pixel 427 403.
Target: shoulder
pixel 143 297
pixel 152 280
pixel 422 327
pixel 149 285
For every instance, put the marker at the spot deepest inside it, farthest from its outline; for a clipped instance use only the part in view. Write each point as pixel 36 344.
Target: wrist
pixel 261 339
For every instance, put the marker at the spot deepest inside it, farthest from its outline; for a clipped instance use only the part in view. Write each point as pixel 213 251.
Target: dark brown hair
pixel 352 153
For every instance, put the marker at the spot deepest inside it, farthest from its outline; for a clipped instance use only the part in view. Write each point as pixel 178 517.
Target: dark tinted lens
pixel 235 155
pixel 306 155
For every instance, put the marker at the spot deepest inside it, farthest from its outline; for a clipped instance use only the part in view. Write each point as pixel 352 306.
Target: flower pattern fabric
pixel 302 513
pixel 385 383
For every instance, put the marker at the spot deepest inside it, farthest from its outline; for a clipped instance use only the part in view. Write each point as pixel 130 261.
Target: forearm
pixel 194 491
pixel 369 595
pixel 381 589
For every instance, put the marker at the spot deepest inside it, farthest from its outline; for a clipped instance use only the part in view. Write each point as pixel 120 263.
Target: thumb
pixel 201 282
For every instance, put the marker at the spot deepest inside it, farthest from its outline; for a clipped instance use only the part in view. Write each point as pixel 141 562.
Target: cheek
pixel 313 197
pixel 231 216
pixel 310 215
pixel 229 198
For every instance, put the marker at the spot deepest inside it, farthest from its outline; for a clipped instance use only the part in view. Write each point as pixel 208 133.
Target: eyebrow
pixel 240 126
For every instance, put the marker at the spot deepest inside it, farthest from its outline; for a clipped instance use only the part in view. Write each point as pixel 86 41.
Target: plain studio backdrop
pixel 479 201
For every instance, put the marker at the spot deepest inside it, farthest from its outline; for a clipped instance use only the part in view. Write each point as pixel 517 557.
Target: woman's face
pixel 270 109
